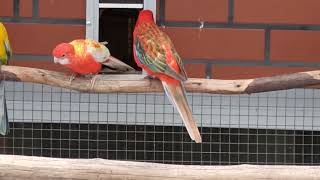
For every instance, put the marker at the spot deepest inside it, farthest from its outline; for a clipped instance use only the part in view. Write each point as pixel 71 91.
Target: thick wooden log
pixel 41 168
pixel 134 83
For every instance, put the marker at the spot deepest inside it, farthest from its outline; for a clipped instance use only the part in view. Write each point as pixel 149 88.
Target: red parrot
pixel 87 57
pixel 154 52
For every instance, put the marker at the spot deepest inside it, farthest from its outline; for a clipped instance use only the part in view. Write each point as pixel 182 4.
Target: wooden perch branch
pixel 41 168
pixel 137 84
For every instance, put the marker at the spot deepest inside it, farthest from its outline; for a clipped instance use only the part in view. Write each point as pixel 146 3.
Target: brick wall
pixel 36 26
pixel 243 38
pixel 239 38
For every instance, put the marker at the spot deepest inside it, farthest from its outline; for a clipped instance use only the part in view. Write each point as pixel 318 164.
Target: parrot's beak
pixel 55 60
pixel 116 65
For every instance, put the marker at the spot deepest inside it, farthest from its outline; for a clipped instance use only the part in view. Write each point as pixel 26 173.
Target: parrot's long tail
pixel 116 65
pixel 177 96
pixel 4 123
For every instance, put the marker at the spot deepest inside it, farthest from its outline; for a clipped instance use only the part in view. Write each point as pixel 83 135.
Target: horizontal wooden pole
pixel 134 83
pixel 42 168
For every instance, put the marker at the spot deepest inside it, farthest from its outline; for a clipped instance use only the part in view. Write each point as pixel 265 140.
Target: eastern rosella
pixel 87 57
pixel 5 54
pixel 154 52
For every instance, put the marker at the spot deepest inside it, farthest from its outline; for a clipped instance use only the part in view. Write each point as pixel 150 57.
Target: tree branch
pixel 27 167
pixel 134 83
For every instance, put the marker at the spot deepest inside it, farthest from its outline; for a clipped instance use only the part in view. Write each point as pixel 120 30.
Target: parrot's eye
pixel 63 55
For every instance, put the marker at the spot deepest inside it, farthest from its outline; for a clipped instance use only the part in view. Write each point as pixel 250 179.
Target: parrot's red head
pixel 145 16
pixel 62 52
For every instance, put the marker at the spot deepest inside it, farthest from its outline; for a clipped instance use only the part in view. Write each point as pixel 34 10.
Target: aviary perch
pixel 41 168
pixel 133 83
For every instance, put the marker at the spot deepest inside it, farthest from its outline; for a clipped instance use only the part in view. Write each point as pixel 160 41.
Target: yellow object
pixel 5 54
pixel 5 48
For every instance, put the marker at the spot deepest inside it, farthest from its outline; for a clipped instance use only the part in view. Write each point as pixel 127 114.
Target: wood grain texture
pixel 135 83
pixel 40 168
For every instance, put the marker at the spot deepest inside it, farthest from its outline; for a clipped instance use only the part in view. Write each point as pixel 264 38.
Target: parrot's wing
pixel 153 55
pixel 8 49
pixel 88 46
pixel 180 63
pixel 5 45
pixel 99 52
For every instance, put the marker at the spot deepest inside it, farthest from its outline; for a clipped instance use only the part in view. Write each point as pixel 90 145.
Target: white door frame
pixel 92 14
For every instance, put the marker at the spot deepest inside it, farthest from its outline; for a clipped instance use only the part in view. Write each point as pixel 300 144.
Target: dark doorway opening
pixel 116 27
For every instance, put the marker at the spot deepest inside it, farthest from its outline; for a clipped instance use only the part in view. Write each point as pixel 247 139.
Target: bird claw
pixel 93 81
pixel 72 77
pixel 149 77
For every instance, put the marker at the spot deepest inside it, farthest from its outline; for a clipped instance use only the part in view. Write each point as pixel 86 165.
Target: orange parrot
pixel 155 53
pixel 87 57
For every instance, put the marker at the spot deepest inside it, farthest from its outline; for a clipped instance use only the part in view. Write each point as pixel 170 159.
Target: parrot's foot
pixel 149 77
pixel 93 81
pixel 72 77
